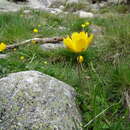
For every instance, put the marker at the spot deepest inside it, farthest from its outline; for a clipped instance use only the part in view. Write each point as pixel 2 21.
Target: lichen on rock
pixel 32 100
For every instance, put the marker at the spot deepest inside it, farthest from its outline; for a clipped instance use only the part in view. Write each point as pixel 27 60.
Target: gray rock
pixel 6 6
pixel 54 10
pixel 117 1
pixel 84 14
pixel 94 7
pixel 103 4
pixel 27 11
pixel 72 1
pixel 63 2
pixel 51 3
pixel 2 56
pixel 51 46
pixel 38 4
pixel 61 7
pixel 32 100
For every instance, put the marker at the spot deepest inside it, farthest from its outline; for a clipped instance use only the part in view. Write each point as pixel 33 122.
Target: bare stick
pixel 43 40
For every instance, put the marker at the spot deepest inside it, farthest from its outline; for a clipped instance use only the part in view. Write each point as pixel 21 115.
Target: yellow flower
pixel 22 57
pixel 78 42
pixel 87 23
pixel 14 49
pixel 80 59
pixel 35 30
pixel 83 25
pixel 33 42
pixel 45 62
pixel 3 46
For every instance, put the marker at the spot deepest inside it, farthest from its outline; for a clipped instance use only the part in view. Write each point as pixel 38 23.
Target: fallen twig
pixel 43 40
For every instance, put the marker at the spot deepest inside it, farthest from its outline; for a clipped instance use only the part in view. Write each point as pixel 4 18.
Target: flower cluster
pixel 85 24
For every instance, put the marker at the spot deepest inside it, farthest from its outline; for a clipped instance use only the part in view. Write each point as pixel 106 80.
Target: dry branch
pixel 43 40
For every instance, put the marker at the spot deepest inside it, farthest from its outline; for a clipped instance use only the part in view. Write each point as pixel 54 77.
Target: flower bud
pixel 80 59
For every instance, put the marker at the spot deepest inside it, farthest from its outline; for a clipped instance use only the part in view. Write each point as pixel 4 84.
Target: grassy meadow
pixel 104 75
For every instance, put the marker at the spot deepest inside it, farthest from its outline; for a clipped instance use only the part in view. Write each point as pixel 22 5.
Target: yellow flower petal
pixel 87 23
pixel 35 30
pixel 89 40
pixel 83 25
pixel 86 35
pixel 75 37
pixel 80 45
pixel 81 42
pixel 78 41
pixel 69 44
